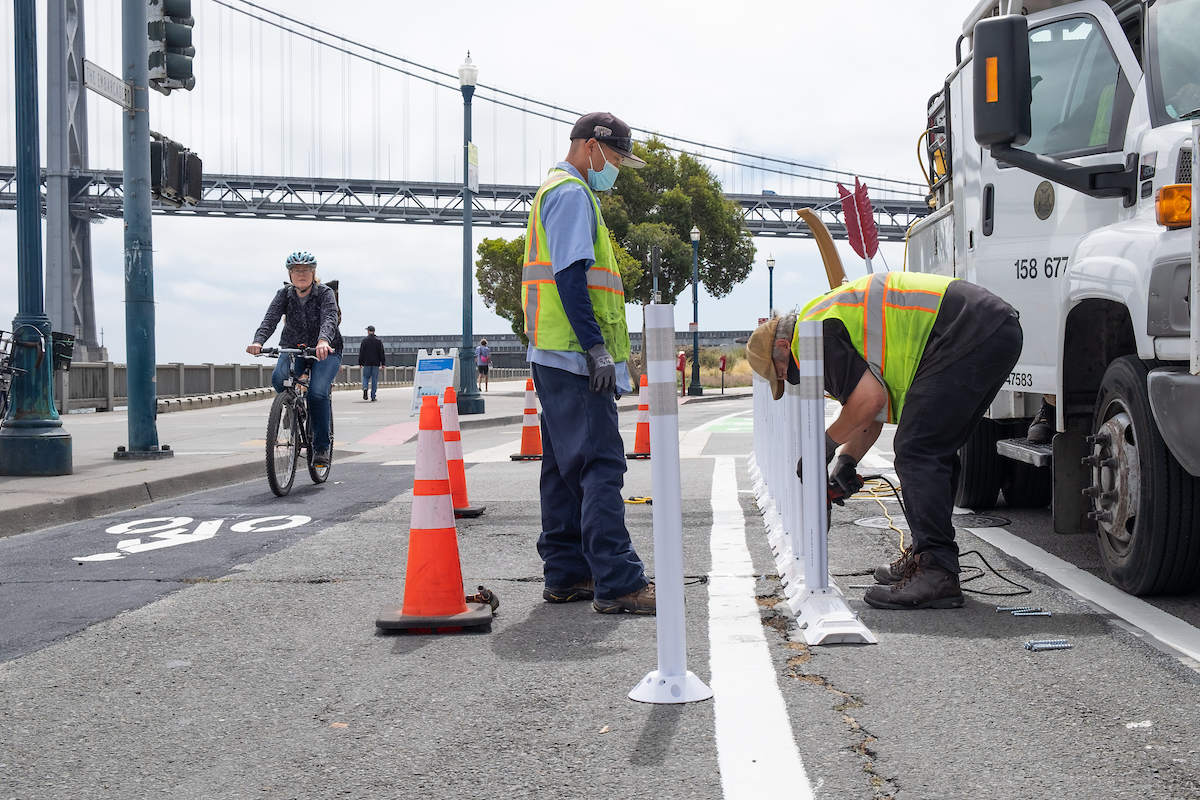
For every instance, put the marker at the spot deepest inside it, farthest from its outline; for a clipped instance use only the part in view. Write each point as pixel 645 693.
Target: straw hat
pixel 758 353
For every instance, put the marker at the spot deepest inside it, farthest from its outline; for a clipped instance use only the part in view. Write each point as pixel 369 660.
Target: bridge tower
pixel 69 297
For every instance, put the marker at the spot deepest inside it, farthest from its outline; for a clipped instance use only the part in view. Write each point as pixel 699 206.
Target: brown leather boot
pixel 893 572
pixel 926 584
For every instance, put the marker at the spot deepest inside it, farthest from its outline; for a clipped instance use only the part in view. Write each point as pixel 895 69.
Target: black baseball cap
pixel 608 129
pixel 371 328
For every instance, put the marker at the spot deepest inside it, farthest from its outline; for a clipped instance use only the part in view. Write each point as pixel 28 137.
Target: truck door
pixel 1029 226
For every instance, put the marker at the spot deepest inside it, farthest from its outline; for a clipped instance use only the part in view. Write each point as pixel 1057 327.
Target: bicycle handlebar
pixel 304 352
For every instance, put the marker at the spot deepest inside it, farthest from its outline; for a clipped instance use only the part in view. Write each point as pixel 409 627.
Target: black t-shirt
pixel 967 316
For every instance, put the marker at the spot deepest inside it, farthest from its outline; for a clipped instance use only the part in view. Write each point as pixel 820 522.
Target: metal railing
pixel 101 385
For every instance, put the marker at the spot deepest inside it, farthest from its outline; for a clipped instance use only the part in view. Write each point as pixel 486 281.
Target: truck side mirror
pixel 1003 89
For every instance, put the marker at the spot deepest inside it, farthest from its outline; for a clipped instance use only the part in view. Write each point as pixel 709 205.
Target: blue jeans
pixel 320 383
pixel 583 468
pixel 371 375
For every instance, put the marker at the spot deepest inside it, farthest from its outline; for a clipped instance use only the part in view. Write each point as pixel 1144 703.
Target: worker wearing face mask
pixel 574 306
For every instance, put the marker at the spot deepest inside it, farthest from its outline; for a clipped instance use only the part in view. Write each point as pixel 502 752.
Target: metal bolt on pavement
pixel 1038 613
pixel 1038 647
pixel 1017 608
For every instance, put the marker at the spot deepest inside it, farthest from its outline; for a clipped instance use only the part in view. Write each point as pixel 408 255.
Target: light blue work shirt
pixel 570 223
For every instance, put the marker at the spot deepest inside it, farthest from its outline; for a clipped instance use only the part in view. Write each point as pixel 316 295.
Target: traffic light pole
pixel 139 258
pixel 32 439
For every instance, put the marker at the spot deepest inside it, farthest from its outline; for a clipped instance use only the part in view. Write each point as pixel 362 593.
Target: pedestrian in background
pixel 483 359
pixel 371 358
pixel 574 306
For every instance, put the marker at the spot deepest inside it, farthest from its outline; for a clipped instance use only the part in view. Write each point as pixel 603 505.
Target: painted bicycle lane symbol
pixel 173 531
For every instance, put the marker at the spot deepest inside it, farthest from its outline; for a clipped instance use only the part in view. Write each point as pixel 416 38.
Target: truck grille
pixel 1183 173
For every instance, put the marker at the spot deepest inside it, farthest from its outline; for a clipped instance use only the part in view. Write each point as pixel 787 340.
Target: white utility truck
pixel 1059 155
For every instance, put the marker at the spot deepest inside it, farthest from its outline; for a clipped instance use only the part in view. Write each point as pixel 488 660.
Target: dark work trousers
pixel 583 472
pixel 939 415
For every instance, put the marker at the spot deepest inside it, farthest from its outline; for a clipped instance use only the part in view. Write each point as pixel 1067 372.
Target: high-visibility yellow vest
pixel 546 322
pixel 889 316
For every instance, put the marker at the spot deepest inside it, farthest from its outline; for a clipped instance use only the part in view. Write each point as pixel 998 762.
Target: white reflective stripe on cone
pixel 433 511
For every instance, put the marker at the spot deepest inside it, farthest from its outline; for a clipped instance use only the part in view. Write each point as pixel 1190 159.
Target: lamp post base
pixel 470 404
pixel 695 390
pixel 122 454
pixel 35 451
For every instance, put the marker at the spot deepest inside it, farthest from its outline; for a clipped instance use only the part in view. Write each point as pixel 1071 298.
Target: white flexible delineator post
pixel 823 615
pixel 671 682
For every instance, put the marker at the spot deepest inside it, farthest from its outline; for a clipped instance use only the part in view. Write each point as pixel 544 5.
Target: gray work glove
pixel 602 370
pixel 830 449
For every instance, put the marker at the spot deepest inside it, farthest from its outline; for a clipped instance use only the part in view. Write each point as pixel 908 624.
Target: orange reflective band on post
pixel 1173 205
pixel 993 80
pixel 430 488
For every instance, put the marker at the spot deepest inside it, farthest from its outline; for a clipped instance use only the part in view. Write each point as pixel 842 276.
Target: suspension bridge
pixel 291 123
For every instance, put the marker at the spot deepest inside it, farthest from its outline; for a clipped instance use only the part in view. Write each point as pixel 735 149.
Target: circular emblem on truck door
pixel 1043 199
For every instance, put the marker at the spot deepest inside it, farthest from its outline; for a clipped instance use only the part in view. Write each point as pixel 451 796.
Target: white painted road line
pixel 1170 630
pixel 756 751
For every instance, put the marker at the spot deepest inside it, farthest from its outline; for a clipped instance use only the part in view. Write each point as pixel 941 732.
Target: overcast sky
pixel 839 84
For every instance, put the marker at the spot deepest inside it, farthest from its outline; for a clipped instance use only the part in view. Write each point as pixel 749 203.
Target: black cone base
pixel 470 512
pixel 520 457
pixel 637 455
pixel 477 615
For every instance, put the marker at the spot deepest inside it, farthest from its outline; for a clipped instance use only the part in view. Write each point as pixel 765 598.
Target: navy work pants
pixel 583 469
pixel 939 415
pixel 320 384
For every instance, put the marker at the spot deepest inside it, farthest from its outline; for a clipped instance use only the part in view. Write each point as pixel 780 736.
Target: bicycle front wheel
pixel 283 444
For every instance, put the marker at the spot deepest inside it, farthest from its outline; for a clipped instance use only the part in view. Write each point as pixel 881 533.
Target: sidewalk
pixel 219 446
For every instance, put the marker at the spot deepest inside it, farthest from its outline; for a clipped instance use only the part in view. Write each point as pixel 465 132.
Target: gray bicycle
pixel 289 428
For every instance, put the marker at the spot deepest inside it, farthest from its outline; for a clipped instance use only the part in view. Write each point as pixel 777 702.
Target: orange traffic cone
pixel 641 439
pixel 433 585
pixel 531 430
pixel 454 457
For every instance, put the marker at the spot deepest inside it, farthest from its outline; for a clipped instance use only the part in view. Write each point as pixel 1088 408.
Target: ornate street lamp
pixel 695 389
pixel 770 284
pixel 469 399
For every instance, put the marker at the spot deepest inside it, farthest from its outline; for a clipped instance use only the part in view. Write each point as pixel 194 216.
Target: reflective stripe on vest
pixel 889 316
pixel 546 322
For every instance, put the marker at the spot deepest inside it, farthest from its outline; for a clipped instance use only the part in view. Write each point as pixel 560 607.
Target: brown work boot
pixel 584 590
pixel 893 572
pixel 639 602
pixel 926 584
pixel 1041 430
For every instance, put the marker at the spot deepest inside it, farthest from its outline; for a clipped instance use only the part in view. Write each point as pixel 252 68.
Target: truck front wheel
pixel 1146 507
pixel 980 468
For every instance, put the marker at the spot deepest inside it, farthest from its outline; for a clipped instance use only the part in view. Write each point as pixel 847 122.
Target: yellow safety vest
pixel 546 322
pixel 889 316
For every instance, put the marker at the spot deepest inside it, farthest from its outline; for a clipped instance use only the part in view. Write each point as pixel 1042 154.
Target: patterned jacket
pixel 303 325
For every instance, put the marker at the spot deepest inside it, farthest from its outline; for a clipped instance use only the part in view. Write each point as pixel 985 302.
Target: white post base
pixel 796 593
pixel 662 689
pixel 826 618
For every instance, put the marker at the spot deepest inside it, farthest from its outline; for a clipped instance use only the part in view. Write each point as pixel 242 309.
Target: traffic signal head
pixel 169 26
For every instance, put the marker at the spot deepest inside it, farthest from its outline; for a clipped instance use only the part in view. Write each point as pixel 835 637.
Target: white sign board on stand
pixel 435 373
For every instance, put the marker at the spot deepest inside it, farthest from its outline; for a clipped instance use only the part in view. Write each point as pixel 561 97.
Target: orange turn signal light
pixel 1173 205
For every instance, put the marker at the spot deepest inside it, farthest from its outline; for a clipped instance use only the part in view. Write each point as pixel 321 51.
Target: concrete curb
pixel 47 514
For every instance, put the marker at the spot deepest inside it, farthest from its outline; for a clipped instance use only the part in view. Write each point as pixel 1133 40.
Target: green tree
pixel 658 205
pixel 498 272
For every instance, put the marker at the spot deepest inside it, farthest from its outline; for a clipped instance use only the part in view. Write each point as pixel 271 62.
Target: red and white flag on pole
pixel 860 220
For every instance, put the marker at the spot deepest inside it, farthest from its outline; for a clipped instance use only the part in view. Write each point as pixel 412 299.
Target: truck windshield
pixel 1174 28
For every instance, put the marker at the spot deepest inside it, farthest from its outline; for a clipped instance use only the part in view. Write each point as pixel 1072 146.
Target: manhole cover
pixel 979 521
pixel 882 522
pixel 959 520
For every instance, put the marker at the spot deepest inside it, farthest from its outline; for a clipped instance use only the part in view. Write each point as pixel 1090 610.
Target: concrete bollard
pixel 671 682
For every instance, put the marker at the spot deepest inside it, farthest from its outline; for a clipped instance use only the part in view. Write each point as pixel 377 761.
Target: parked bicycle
pixel 7 371
pixel 289 428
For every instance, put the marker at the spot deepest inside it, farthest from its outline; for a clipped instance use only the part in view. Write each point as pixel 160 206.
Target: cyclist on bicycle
pixel 310 313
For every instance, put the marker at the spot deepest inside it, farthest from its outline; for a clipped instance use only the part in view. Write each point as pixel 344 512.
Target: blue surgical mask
pixel 603 180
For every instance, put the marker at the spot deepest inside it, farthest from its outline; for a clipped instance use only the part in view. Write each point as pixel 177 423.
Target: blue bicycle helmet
pixel 300 258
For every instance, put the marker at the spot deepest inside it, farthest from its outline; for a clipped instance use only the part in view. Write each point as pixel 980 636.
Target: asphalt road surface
pixel 246 663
